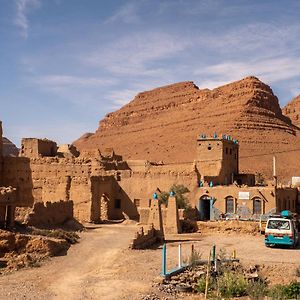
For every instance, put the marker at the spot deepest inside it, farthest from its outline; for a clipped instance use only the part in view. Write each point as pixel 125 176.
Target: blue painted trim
pixel 270 239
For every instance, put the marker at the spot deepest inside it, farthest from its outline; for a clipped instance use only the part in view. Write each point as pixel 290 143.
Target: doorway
pixel 205 208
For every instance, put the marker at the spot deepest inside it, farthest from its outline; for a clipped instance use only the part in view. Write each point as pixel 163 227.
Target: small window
pixel 229 205
pixel 118 203
pixel 209 147
pixel 137 202
pixel 226 150
pixel 230 151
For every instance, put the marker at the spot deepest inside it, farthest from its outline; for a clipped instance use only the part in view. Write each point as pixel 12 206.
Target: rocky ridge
pixel 163 124
pixel 292 111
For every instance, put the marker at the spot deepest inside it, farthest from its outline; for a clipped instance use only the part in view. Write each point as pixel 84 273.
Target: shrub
pixel 256 289
pixel 194 258
pixel 201 284
pixel 232 285
pixel 179 190
pixel 298 272
pixel 292 291
pixel 276 292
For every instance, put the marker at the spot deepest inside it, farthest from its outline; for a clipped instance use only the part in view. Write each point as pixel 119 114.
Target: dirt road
pixel 102 267
pixel 89 271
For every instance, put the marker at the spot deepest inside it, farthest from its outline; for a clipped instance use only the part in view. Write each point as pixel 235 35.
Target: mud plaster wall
pixel 49 213
pixel 271 198
pixel 1 155
pixel 143 183
pixel 217 160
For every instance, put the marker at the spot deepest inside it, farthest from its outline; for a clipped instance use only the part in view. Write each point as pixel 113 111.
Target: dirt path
pixel 89 271
pixel 102 267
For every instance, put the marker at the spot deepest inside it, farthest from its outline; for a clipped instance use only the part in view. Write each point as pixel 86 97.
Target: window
pixel 137 202
pixel 230 151
pixel 118 203
pixel 256 206
pixel 279 224
pixel 226 150
pixel 209 147
pixel 229 205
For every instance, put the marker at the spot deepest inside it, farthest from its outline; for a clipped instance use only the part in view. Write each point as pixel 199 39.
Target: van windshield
pixel 279 224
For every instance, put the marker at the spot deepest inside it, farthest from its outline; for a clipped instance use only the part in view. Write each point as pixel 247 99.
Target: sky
pixel 65 64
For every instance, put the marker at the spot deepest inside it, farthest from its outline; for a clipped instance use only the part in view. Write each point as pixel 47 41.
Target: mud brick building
pixel 102 185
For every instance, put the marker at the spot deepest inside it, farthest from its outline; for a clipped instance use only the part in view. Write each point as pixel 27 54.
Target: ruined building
pixel 7 195
pixel 103 186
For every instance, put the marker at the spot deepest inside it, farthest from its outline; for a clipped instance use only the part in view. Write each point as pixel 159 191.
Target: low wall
pixel 145 240
pixel 50 213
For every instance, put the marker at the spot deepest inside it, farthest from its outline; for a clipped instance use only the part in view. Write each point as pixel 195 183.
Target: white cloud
pixel 121 97
pixel 269 70
pixel 127 13
pixel 23 9
pixel 68 80
pixel 134 54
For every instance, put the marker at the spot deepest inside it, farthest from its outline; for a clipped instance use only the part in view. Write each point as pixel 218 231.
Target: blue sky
pixel 64 64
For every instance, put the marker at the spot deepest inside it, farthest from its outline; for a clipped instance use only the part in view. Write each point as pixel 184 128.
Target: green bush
pixel 276 292
pixel 232 285
pixel 179 190
pixel 292 290
pixel 201 284
pixel 256 289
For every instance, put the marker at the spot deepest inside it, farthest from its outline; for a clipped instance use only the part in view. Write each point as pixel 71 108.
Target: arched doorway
pixel 205 208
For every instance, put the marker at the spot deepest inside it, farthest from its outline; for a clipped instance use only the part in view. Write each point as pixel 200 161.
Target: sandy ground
pixel 102 267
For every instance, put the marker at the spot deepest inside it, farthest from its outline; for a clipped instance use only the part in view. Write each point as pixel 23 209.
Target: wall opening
pixel 257 206
pixel 205 208
pixel 117 203
pixel 229 205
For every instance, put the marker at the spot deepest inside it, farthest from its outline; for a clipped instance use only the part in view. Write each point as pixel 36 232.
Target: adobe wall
pixel 217 160
pixel 50 214
pixel 32 147
pixel 144 180
pixel 17 173
pixel 282 198
pixel 1 154
pixel 287 199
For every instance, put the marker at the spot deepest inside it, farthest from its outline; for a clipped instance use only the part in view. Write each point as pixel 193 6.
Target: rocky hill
pixel 163 124
pixel 292 110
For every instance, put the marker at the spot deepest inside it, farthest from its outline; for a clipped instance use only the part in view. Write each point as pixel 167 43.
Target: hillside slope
pixel 163 124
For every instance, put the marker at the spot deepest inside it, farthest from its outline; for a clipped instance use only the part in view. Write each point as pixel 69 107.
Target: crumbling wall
pixel 32 147
pixel 50 213
pixel 17 173
pixel 144 240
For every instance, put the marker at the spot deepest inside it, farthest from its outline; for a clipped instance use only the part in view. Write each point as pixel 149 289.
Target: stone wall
pixel 50 213
pixel 144 240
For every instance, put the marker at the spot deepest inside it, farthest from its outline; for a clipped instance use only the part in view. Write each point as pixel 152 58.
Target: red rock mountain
pixel 292 110
pixel 163 124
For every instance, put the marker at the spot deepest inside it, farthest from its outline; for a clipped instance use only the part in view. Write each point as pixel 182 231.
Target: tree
pixel 179 191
